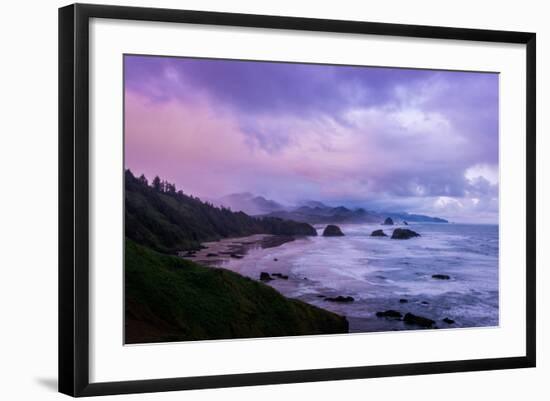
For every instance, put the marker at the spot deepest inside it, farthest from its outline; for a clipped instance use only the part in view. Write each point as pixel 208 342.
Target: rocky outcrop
pixel 332 231
pixel 277 226
pixel 388 221
pixel 390 313
pixel 340 298
pixel 418 320
pixel 441 277
pixel 378 233
pixel 264 276
pixel 404 233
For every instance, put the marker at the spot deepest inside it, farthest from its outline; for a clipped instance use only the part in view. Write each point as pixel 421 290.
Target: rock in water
pixel 448 321
pixel 404 222
pixel 378 233
pixel 418 320
pixel 403 301
pixel 390 313
pixel 340 298
pixel 332 231
pixel 265 276
pixel 388 221
pixel 404 233
pixel 441 276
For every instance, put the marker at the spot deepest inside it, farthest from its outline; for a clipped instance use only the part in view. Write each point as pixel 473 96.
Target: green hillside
pixel 167 220
pixel 171 299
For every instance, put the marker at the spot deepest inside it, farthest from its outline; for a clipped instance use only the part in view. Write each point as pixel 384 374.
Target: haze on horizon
pixel 420 141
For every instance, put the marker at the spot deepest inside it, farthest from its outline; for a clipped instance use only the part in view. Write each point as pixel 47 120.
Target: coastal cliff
pixel 171 299
pixel 167 220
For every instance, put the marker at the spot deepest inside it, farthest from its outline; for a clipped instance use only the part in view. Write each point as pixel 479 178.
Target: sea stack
pixel 332 231
pixel 418 320
pixel 388 221
pixel 378 233
pixel 264 276
pixel 404 233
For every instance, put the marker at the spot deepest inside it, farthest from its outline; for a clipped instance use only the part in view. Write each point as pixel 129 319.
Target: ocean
pixel 382 274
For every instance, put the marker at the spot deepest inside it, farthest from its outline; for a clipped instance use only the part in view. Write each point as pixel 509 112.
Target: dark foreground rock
pixel 448 321
pixel 441 276
pixel 378 233
pixel 264 276
pixel 332 231
pixel 404 233
pixel 418 320
pixel 390 313
pixel 388 221
pixel 340 298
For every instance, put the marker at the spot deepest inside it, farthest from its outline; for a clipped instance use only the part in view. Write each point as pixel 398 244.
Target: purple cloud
pixel 421 140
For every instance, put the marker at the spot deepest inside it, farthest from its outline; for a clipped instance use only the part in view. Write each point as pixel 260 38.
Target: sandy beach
pixel 216 253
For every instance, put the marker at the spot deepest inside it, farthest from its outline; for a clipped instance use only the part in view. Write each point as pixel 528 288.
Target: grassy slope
pixel 169 222
pixel 171 299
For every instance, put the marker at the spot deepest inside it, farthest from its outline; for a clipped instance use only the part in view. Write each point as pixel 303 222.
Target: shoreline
pixel 382 275
pixel 215 253
pixel 201 303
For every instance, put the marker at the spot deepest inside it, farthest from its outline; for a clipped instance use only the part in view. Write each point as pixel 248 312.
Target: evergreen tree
pixel 156 184
pixel 143 180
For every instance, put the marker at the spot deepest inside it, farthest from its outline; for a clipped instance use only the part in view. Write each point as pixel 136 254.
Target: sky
pixel 387 139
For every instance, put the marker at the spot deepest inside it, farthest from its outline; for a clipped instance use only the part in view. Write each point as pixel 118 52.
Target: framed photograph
pixel 251 199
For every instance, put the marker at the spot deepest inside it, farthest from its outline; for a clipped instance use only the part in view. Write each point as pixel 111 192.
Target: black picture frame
pixel 74 202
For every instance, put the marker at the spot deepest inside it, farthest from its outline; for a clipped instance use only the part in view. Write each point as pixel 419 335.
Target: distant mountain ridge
pixel 419 218
pixel 313 211
pixel 248 203
pixel 341 214
pixel 318 215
